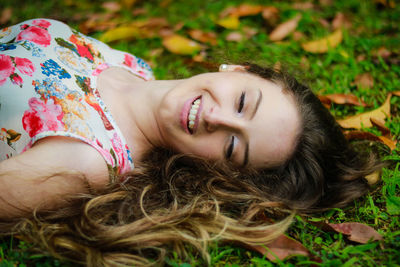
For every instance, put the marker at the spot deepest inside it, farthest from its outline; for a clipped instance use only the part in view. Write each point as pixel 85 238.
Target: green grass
pixel 373 26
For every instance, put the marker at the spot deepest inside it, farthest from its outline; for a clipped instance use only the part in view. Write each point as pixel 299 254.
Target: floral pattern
pixel 48 73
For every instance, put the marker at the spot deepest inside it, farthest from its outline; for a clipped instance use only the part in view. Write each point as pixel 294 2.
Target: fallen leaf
pixel 230 22
pixel 297 36
pixel 128 3
pixel 373 178
pixel 364 119
pixel 342 99
pixel 364 80
pixel 200 57
pixel 204 37
pixel 361 57
pixel 111 6
pixel 357 232
pixel 360 135
pixel 324 23
pixel 6 15
pixel 340 20
pixel 246 10
pixel 382 52
pixel 234 36
pixel 249 32
pixel 139 11
pixel 324 44
pixel 303 5
pixel 281 248
pixel 178 44
pixel 270 15
pixel 284 29
pixel 389 142
pixel 380 124
pixel 119 33
pixel 396 93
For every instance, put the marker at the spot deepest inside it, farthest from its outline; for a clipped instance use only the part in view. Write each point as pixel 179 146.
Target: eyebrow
pixel 246 150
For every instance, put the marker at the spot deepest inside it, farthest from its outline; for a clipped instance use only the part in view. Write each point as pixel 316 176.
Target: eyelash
pixel 241 102
pixel 231 146
pixel 229 151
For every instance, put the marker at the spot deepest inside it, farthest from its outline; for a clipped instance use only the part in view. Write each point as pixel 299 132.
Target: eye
pixel 231 146
pixel 241 102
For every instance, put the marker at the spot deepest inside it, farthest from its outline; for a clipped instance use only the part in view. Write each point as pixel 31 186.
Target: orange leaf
pixel 230 22
pixel 380 124
pixel 396 93
pixel 204 37
pixel 389 142
pixel 357 232
pixel 323 45
pixel 364 119
pixel 246 10
pixel 281 248
pixel 342 99
pixel 181 45
pixel 284 29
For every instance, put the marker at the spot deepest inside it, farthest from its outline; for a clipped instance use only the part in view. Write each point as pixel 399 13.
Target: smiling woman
pixel 104 165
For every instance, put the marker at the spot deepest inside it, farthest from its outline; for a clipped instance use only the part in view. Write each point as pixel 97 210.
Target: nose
pixel 215 119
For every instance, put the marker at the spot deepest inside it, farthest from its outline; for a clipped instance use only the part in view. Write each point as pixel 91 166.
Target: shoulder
pixel 52 155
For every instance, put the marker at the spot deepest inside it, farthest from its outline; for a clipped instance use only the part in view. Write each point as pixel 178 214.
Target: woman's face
pixel 230 116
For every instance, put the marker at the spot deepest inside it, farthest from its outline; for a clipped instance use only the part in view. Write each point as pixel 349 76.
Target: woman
pixel 156 164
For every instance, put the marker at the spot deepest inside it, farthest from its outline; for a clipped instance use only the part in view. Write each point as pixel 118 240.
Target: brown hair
pixel 181 202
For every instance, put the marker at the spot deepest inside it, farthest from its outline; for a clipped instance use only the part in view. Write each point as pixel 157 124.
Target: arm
pixel 45 174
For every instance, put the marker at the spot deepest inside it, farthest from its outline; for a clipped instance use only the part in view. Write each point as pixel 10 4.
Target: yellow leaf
pixel 323 45
pixel 374 177
pixel 231 22
pixel 119 33
pixel 364 119
pixel 181 45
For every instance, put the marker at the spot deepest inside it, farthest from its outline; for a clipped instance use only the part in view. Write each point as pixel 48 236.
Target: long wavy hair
pixel 175 202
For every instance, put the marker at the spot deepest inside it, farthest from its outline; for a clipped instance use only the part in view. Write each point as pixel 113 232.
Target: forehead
pixel 274 129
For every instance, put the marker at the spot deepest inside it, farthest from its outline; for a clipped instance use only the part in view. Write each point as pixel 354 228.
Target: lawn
pixel 361 68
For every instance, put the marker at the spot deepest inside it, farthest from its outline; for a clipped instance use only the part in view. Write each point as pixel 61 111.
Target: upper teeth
pixel 193 113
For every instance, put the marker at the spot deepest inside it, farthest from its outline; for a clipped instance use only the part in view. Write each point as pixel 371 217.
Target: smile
pixel 190 114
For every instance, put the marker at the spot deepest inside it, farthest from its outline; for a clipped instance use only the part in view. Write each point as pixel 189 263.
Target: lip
pixel 185 113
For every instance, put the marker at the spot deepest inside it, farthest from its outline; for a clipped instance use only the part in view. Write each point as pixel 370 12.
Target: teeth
pixel 193 113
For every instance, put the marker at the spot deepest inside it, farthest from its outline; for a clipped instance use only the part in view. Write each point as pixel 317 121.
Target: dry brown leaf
pixel 128 3
pixel 178 44
pixel 111 6
pixel 364 80
pixel 246 10
pixel 6 15
pixel 324 23
pixel 281 248
pixel 249 32
pixel 204 37
pixel 364 119
pixel 380 124
pixel 396 93
pixel 357 232
pixel 340 20
pixel 270 15
pixel 342 99
pixel 303 5
pixel 389 142
pixel 284 29
pixel 361 135
pixel 382 52
pixel 139 11
pixel 200 57
pixel 361 57
pixel 324 44
pixel 297 36
pixel 234 36
pixel 230 22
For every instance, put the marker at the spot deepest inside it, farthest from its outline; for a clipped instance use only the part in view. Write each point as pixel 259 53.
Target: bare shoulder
pixel 62 153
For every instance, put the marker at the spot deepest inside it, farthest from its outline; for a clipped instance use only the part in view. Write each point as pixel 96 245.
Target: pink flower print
pixel 24 65
pixel 120 153
pixel 16 79
pixel 130 61
pixel 41 23
pixel 6 68
pixel 83 49
pixel 35 34
pixel 100 68
pixel 42 116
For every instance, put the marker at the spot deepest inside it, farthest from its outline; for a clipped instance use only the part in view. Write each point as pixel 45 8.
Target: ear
pixel 226 67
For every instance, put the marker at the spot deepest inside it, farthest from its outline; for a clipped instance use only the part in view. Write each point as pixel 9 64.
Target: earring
pixel 223 67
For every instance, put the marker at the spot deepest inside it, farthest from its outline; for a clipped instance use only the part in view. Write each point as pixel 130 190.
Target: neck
pixel 140 106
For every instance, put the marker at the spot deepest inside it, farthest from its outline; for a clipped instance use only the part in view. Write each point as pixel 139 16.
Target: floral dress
pixel 48 75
